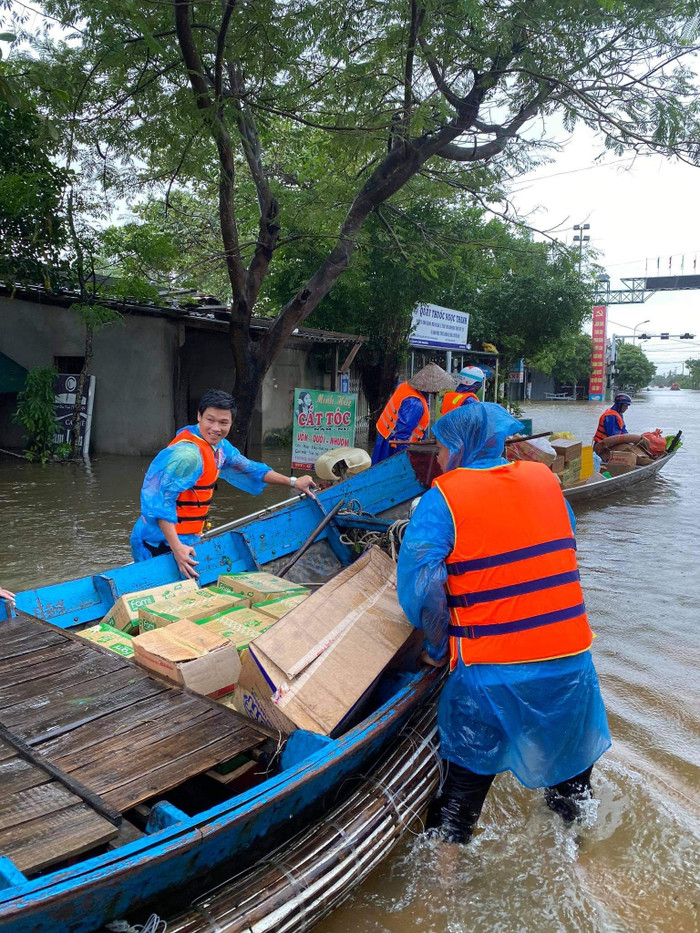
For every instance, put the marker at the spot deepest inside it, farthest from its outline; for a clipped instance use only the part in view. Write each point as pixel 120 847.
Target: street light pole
pixel 634 330
pixel 581 239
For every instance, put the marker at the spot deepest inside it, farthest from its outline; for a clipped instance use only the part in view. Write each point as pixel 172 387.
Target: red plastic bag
pixel 656 442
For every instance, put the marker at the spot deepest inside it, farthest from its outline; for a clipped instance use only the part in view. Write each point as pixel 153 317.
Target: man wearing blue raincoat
pixel 488 570
pixel 180 483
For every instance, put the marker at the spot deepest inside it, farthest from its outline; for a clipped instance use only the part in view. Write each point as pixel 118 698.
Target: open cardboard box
pixel 317 665
pixel 190 655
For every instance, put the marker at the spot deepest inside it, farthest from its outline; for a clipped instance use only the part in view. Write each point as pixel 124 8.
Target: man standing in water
pixel 180 482
pixel 488 570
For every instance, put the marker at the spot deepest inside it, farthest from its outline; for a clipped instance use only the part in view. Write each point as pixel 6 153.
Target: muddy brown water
pixel 633 867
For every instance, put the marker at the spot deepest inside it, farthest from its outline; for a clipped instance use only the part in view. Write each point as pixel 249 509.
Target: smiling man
pixel 180 482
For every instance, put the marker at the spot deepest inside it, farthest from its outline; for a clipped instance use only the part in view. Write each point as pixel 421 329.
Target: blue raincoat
pixel 543 720
pixel 410 413
pixel 176 469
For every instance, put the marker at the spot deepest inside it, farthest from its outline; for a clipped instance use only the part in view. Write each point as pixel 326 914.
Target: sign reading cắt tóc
pixel 322 421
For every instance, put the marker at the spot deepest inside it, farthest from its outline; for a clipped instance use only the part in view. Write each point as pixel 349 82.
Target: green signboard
pixel 322 421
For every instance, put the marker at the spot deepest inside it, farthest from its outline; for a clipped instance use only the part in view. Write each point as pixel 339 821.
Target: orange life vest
pixel 390 415
pixel 193 504
pixel 513 588
pixel 601 433
pixel 452 400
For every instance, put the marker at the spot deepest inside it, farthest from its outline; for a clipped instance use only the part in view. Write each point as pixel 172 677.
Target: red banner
pixel 596 388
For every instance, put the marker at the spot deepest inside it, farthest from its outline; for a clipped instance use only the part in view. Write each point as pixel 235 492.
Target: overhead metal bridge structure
pixel 638 290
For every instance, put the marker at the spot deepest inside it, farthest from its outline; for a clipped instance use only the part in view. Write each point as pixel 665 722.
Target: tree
pixel 32 221
pixel 320 114
pixel 567 360
pixel 634 369
pixel 694 373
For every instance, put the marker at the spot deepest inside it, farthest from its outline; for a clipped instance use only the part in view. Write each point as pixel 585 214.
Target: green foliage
pixel 95 316
pixel 36 412
pixel 567 360
pixel 32 225
pixel 634 369
pixel 693 373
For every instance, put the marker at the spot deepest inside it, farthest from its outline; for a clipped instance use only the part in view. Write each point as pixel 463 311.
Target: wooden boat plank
pixel 145 742
pixel 75 670
pixel 17 775
pixel 28 667
pixel 151 713
pixel 24 644
pixel 41 842
pixel 42 724
pixel 171 774
pixel 34 802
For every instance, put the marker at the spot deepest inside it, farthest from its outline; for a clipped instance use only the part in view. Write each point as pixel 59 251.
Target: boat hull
pixel 616 484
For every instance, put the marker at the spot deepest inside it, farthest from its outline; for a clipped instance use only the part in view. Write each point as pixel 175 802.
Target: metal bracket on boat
pixel 341 551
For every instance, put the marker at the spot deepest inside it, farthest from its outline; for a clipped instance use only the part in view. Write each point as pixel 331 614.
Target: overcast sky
pixel 639 208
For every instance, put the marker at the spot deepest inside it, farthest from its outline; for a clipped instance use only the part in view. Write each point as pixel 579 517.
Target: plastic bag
pixel 538 449
pixel 597 463
pixel 563 436
pixel 656 441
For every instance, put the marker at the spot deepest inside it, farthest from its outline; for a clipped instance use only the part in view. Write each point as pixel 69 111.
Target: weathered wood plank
pixel 17 775
pixel 34 802
pixel 45 679
pixel 172 774
pixel 24 666
pixel 38 843
pixel 150 711
pixel 182 717
pixel 52 715
pixel 205 730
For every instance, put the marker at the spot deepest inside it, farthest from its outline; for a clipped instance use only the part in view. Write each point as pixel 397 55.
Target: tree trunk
pixel 84 373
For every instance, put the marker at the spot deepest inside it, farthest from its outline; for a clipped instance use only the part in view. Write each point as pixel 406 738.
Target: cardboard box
pixel 626 457
pixel 526 450
pixel 190 655
pixel 317 665
pixel 259 586
pixel 617 469
pixel 109 637
pixel 567 449
pixel 587 465
pixel 228 591
pixel 124 614
pixel 558 465
pixel 194 606
pixel 574 465
pixel 276 608
pixel 239 625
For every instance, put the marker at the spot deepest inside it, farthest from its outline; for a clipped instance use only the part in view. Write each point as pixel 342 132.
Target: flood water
pixel 634 865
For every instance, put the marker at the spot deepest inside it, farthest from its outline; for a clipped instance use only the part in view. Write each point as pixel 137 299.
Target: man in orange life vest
pixel 405 418
pixel 180 482
pixel 611 429
pixel 469 381
pixel 488 570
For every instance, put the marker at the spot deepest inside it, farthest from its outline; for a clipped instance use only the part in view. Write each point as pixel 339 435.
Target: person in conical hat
pixel 406 415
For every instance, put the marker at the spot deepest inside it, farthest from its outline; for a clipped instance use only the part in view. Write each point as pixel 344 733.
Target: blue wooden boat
pixel 180 852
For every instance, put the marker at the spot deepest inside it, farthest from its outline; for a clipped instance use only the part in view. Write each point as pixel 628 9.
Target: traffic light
pixel 663 336
pixel 644 337
pixel 687 336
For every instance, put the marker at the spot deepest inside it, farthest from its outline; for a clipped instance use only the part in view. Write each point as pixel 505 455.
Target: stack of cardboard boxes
pixel 269 649
pixel 567 458
pixel 193 636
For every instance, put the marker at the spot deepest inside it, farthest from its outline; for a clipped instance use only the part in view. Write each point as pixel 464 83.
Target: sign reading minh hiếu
pixel 322 421
pixel 440 328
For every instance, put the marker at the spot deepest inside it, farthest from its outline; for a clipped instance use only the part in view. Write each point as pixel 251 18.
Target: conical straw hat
pixel 432 379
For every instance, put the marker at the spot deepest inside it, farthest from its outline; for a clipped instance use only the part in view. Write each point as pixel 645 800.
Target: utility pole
pixel 581 239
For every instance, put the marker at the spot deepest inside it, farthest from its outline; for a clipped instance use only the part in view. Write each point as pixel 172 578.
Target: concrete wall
pixel 133 364
pixel 150 373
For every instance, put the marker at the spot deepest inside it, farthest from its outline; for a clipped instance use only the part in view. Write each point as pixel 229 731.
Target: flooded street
pixel 635 866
